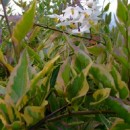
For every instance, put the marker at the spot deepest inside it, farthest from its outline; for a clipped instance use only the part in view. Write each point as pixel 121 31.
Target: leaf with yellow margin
pixel 24 25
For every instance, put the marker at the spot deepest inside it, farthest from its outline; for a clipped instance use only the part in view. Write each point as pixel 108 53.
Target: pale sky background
pixel 113 7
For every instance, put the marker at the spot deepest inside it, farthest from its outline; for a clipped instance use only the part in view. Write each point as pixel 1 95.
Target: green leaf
pixel 109 44
pixel 101 58
pixel 100 73
pixel 122 12
pixel 33 55
pixel 82 92
pixel 24 25
pixel 18 84
pixel 120 85
pixel 4 62
pixel 82 60
pixel 122 60
pixel 76 123
pixel 125 2
pixel 106 29
pixel 124 71
pixel 121 28
pixel 106 7
pixel 7 113
pixel 96 49
pixel 108 18
pixel 3 112
pixel 1 124
pixel 100 95
pixel 54 76
pixel 63 78
pixel 48 66
pixel 85 87
pixel 66 73
pixel 105 121
pixel 119 108
pixel 77 88
pixel 34 33
pixel 53 103
pixel 32 114
pixel 119 124
pixel 16 125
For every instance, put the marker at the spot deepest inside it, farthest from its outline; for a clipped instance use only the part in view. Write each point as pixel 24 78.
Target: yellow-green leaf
pixel 34 56
pixel 85 86
pixel 18 84
pixel 102 75
pixel 83 90
pixel 120 85
pixel 24 25
pixel 48 66
pixel 63 78
pixel 119 124
pixel 119 108
pixel 77 88
pixel 122 12
pixel 16 125
pixel 3 112
pixel 100 95
pixel 34 33
pixel 33 114
pixel 96 49
pixel 4 62
pixel 82 60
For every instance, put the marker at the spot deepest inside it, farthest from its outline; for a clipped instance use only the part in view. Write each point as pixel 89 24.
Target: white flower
pixel 81 18
pixel 66 23
pixel 82 29
pixel 86 4
pixel 90 3
pixel 70 13
pixel 53 16
pixel 78 20
pixel 58 17
pixel 87 12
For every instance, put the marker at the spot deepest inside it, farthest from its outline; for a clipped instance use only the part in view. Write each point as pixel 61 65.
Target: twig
pixel 49 119
pixel 80 113
pixel 6 17
pixel 7 21
pixel 57 30
pixel 37 125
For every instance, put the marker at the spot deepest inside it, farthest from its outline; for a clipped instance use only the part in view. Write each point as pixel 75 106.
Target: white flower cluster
pixel 79 20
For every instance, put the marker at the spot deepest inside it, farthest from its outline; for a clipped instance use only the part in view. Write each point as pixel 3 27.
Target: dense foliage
pixel 51 79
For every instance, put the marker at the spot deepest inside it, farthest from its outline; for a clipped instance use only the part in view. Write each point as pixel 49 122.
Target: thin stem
pixel 6 17
pixel 79 113
pixel 57 30
pixel 7 21
pixel 37 125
